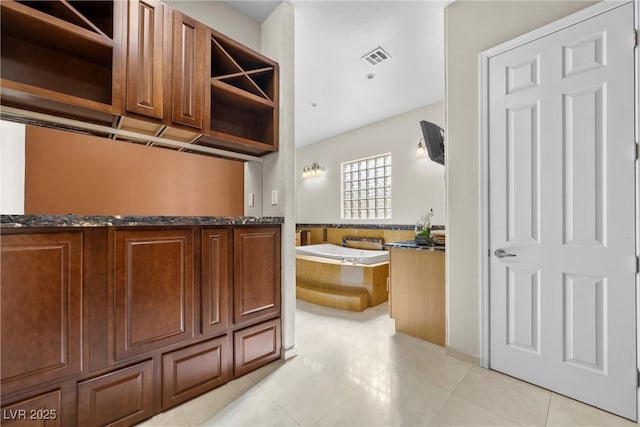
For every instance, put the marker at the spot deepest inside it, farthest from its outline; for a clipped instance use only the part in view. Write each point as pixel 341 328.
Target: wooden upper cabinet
pixel 57 57
pixel 242 99
pixel 41 305
pixel 145 58
pixel 153 289
pixel 189 39
pixel 138 65
pixel 257 274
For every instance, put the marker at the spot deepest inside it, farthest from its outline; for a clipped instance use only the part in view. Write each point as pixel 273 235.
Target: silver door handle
pixel 500 253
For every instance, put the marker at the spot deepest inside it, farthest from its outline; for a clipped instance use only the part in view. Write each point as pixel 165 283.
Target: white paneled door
pixel 562 212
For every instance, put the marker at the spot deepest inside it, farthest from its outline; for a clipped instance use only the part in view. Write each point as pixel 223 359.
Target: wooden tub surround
pixel 346 286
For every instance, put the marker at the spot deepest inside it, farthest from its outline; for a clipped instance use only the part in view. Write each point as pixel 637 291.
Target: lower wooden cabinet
pixel 120 398
pixel 193 370
pixel 112 325
pixel 42 410
pixel 256 346
pixel 153 289
pixel 256 278
pixel 417 293
pixel 41 308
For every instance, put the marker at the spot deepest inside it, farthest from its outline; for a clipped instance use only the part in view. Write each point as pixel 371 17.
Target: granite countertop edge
pixel 394 227
pixel 410 244
pixel 33 221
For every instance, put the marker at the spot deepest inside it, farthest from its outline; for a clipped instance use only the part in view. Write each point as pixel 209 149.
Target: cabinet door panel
pixel 256 346
pixel 193 370
pixel 39 411
pixel 216 280
pixel 256 273
pixel 120 398
pixel 188 71
pixel 145 68
pixel 154 289
pixel 41 303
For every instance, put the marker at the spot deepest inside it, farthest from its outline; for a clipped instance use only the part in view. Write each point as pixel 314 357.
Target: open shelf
pixel 37 65
pixel 37 27
pixel 237 144
pixel 244 98
pixel 229 93
pixel 60 50
pixel 234 118
pixel 95 16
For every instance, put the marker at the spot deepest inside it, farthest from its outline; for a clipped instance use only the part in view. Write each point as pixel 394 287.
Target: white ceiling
pixel 330 39
pixel 256 10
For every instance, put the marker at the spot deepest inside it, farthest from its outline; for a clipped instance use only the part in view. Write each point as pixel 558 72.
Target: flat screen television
pixel 434 140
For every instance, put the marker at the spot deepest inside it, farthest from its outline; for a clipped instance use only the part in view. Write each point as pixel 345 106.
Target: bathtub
pixel 349 255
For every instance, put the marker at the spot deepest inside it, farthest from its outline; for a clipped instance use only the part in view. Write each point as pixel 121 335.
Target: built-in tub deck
pixel 352 281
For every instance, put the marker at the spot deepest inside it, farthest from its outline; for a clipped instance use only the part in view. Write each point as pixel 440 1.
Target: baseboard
pixel 288 353
pixel 461 355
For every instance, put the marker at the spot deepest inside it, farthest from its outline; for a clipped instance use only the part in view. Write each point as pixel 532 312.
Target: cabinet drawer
pixel 42 410
pixel 120 398
pixel 193 370
pixel 256 346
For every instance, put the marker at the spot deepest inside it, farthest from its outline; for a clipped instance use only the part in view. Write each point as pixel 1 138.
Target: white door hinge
pixel 636 38
pixel 637 264
pixel 637 150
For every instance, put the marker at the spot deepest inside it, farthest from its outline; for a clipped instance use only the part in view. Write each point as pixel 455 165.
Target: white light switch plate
pixel 252 199
pixel 274 197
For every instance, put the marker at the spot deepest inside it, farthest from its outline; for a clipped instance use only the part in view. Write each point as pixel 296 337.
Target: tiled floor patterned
pixel 354 370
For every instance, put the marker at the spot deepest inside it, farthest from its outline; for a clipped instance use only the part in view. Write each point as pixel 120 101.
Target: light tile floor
pixel 354 370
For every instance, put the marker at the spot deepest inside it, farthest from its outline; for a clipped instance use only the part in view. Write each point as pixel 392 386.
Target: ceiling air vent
pixel 376 56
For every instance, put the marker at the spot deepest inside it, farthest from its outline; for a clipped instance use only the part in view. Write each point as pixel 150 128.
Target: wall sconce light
pixel 421 151
pixel 312 170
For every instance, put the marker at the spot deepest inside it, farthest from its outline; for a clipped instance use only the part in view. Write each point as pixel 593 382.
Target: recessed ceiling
pixel 335 89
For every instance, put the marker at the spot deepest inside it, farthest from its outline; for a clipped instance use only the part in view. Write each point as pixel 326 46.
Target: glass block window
pixel 366 188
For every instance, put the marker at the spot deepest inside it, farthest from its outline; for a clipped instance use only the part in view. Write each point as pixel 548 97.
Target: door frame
pixel 483 120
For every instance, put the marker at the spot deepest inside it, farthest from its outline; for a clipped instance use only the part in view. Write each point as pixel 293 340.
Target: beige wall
pixel 223 18
pixel 87 175
pixel 417 184
pixel 278 168
pixel 470 28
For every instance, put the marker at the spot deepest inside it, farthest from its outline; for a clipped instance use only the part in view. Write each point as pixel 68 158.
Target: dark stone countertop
pixel 411 244
pixel 26 221
pixel 394 227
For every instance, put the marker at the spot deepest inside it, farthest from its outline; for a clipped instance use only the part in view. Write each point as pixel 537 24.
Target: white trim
pixel 483 121
pixel 9 112
pixel 560 24
pixel 483 77
pixel 636 6
pixel 289 353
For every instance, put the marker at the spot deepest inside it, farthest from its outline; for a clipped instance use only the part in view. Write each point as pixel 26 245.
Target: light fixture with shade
pixel 312 170
pixel 421 151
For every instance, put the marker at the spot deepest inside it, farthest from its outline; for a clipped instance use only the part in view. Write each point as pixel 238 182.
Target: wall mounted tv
pixel 434 140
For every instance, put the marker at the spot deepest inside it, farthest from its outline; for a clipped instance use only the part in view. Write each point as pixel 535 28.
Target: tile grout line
pixel 482 406
pixel 487 409
pixel 546 419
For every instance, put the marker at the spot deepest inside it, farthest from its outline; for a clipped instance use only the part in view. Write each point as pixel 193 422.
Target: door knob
pixel 500 253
